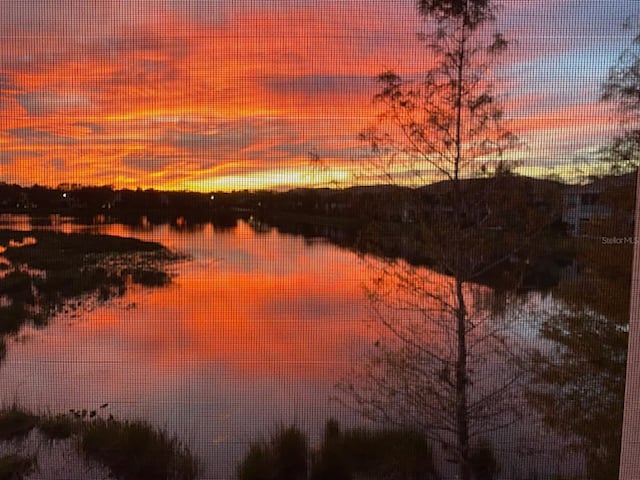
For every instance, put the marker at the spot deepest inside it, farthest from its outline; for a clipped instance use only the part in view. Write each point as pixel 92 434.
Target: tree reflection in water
pixel 579 386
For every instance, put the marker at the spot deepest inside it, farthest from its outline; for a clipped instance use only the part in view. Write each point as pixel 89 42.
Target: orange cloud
pixel 227 96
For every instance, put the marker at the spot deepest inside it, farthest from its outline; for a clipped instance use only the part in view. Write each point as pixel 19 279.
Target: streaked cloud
pixel 5 158
pixel 149 162
pixel 321 84
pixel 205 93
pixel 42 103
pixel 34 136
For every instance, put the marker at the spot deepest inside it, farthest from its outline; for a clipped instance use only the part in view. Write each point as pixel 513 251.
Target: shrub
pixel 136 450
pixel 357 453
pixel 258 464
pixel 284 457
pixel 374 454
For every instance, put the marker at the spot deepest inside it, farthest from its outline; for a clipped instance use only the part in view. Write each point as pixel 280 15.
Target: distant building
pixel 69 199
pixel 582 205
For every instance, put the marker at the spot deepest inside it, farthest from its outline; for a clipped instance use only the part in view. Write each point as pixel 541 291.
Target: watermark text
pixel 619 240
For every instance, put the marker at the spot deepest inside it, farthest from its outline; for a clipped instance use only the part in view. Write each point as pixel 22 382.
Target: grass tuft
pixel 258 463
pixel 59 427
pixel 15 423
pixel 342 455
pixel 284 457
pixel 374 454
pixel 130 449
pixel 136 450
pixel 16 467
pixel 150 277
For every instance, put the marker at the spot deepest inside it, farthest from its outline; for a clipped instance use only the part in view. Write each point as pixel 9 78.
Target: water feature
pixel 253 332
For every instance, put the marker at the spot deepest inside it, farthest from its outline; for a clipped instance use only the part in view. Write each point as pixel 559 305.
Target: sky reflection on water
pixel 254 331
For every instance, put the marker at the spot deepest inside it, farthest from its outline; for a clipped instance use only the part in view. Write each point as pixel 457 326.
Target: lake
pixel 254 331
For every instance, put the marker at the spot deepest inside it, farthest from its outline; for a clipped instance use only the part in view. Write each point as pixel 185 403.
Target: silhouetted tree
pixel 622 87
pixel 432 369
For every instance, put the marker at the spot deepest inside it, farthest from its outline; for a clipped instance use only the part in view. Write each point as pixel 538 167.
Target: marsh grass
pixel 129 449
pixel 16 467
pixel 16 423
pixel 57 251
pixel 150 277
pixel 373 454
pixel 258 463
pixel 12 317
pixel 283 457
pixel 59 427
pixel 342 455
pixel 136 450
pixel 17 286
pixel 51 272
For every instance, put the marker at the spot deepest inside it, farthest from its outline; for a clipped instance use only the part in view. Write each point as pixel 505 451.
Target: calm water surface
pixel 254 332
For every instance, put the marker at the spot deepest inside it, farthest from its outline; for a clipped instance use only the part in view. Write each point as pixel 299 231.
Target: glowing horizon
pixel 234 95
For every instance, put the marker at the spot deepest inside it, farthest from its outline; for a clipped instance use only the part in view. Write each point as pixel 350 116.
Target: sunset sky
pixel 234 94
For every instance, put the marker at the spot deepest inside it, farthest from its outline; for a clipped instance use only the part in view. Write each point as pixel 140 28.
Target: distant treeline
pixel 377 203
pixel 506 203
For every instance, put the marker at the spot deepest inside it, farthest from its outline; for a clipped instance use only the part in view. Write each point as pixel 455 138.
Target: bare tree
pixel 444 364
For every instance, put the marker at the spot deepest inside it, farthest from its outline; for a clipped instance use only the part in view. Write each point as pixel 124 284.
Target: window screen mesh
pixel 316 239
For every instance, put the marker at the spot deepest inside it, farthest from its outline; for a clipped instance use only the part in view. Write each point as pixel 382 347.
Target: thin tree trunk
pixel 456 166
pixel 462 411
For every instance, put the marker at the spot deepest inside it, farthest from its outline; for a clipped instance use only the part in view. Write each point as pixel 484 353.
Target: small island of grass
pixel 45 273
